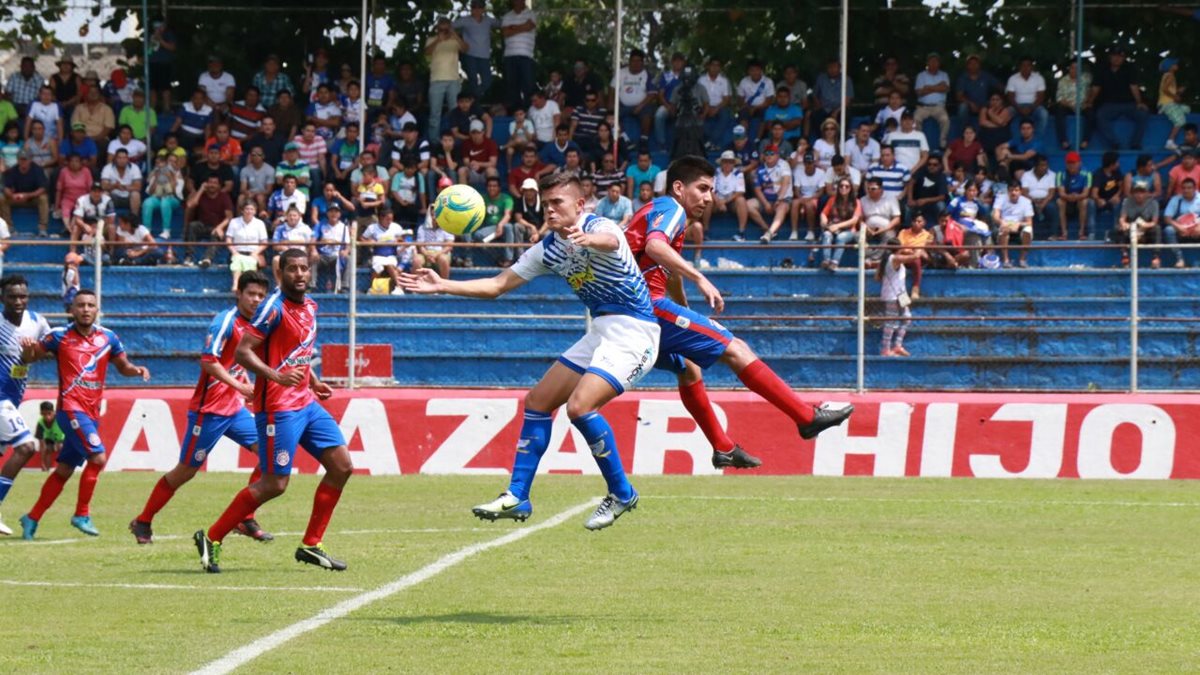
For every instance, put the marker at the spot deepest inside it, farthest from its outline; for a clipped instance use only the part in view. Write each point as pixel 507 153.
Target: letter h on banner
pixel 889 445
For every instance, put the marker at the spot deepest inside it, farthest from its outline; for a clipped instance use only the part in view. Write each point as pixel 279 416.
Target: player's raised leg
pixel 596 389
pixel 547 395
pixel 694 395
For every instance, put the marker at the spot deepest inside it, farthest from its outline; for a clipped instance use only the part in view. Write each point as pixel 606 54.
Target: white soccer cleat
pixel 506 506
pixel 4 529
pixel 609 510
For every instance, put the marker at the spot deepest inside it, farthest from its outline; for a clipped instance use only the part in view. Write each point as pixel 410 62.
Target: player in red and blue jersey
pixel 691 341
pixel 83 350
pixel 218 409
pixel 278 347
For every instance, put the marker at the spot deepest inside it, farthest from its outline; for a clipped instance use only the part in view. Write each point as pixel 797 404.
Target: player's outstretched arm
pixel 124 367
pixel 597 241
pixel 249 360
pixel 428 281
pixel 215 370
pixel 661 252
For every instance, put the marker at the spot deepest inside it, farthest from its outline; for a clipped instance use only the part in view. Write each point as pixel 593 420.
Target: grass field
pixel 731 574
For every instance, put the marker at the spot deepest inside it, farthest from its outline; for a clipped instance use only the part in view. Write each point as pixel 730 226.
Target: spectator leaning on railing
pixel 1139 218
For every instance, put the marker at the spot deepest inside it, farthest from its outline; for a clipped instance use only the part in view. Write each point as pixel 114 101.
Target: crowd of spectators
pixel 264 163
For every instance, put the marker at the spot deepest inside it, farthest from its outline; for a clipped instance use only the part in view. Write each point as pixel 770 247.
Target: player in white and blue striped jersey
pixel 19 325
pixel 620 348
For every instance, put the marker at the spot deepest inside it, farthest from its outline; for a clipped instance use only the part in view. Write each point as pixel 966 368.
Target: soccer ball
pixel 459 210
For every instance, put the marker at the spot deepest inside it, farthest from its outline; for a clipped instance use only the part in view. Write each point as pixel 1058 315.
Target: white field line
pixel 247 653
pixel 182 587
pixel 176 537
pixel 930 500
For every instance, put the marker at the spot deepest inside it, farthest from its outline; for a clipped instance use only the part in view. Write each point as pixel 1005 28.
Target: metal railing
pixel 862 319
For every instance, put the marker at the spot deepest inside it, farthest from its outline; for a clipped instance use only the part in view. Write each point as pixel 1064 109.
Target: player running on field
pixel 278 348
pixel 591 254
pixel 217 409
pixel 655 235
pixel 83 350
pixel 19 324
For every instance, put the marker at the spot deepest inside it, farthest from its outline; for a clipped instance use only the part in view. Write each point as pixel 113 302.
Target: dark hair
pixel 1110 157
pixel 12 280
pixel 876 181
pixel 121 128
pixel 637 52
pixel 288 254
pixel 558 179
pixel 1143 160
pixel 47 406
pixel 1187 180
pixel 563 127
pixel 252 277
pixel 786 90
pixel 85 291
pixel 689 169
pixel 1190 126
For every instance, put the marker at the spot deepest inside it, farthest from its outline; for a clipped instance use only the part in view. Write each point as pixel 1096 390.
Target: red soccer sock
pixel 324 502
pixel 87 487
pixel 695 399
pixel 254 476
pixel 159 496
pixel 236 512
pixel 50 491
pixel 760 379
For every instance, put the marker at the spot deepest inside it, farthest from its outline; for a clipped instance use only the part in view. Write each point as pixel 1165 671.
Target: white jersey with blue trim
pixel 608 282
pixel 13 369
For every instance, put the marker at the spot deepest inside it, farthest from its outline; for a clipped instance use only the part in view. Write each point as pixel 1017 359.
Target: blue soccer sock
pixel 5 486
pixel 599 436
pixel 535 437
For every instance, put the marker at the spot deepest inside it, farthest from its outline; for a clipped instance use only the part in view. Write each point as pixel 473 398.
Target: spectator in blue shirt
pixel 972 89
pixel 381 88
pixel 784 110
pixel 555 153
pixel 615 206
pixel 643 171
pixel 1021 150
pixel 1074 194
pixel 828 95
pixel 78 143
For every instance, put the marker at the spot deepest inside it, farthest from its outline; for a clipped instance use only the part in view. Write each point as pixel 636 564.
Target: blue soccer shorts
pixel 82 437
pixel 205 429
pixel 690 334
pixel 280 433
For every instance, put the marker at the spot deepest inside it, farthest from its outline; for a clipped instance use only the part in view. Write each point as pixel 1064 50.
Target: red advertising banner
pixel 440 431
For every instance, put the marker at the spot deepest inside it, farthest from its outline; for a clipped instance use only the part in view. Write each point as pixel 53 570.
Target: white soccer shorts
pixel 619 348
pixel 13 430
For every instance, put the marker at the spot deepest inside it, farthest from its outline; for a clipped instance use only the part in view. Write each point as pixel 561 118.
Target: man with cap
pixel 332 253
pixel 476 29
pixel 746 152
pixel 134 117
pixel 729 195
pixel 217 84
pixel 79 143
pixel 1026 91
pixel 292 165
pixel 933 85
pixel 808 185
pixel 67 86
pixel 25 186
pixel 22 86
pixel 783 109
pixel 1139 216
pixel 270 81
pixel 527 211
pixel 480 156
pixel 972 89
pixel 93 213
pixel 1115 94
pixel 1074 194
pixel 773 190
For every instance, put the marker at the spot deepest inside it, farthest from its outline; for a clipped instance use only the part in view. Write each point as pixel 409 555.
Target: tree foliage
pixel 25 22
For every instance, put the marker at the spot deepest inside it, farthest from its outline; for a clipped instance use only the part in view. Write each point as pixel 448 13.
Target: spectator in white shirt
pixel 519 28
pixel 1041 187
pixel 881 218
pixel 863 151
pixel 757 93
pixel 729 195
pixel 912 150
pixel 135 244
pixel 433 247
pixel 125 141
pixel 247 238
pixel 1026 91
pixel 123 181
pixel 718 120
pixel 93 213
pixel 933 86
pixel 545 115
pixel 1014 213
pixel 633 95
pixel 808 181
pixel 217 84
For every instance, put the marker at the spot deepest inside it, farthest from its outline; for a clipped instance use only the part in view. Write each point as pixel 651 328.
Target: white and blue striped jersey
pixel 608 282
pixel 13 370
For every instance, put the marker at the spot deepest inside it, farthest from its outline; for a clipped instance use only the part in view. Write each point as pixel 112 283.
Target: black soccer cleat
pixel 316 555
pixel 736 458
pixel 141 531
pixel 210 552
pixel 250 528
pixel 824 418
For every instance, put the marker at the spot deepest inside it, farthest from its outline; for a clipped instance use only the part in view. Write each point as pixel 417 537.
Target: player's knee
pixel 272 486
pixel 98 460
pixel 577 408
pixel 691 375
pixel 738 354
pixel 24 452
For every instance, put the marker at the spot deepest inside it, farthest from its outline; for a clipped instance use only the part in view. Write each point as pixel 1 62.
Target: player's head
pixel 294 273
pixel 690 182
pixel 47 410
pixel 251 289
pixel 84 308
pixel 562 198
pixel 14 290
